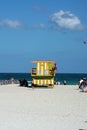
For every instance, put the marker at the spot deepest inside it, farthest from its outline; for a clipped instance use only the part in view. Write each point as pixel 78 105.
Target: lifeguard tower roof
pixel 35 61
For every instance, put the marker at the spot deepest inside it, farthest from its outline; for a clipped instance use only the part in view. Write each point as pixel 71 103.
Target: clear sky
pixel 43 30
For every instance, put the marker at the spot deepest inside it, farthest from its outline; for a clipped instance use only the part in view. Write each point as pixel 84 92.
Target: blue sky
pixel 43 30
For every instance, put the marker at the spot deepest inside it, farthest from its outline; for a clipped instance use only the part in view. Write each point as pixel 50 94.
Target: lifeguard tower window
pixel 34 71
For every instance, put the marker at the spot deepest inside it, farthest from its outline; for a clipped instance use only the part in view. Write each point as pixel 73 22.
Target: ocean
pixel 71 78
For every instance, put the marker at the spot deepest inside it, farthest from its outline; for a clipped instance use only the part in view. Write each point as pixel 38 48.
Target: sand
pixel 58 108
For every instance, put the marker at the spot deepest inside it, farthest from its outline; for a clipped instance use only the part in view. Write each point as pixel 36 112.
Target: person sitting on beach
pixel 23 83
pixel 64 82
pixel 81 82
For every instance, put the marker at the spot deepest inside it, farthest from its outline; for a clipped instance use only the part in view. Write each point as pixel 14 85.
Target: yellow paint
pixel 34 81
pixel 38 68
pixel 37 81
pixel 41 68
pixel 41 82
pixel 45 82
pixel 52 81
pixel 45 66
pixel 49 81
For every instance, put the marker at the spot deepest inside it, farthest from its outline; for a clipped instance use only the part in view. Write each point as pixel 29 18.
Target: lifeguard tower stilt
pixel 43 74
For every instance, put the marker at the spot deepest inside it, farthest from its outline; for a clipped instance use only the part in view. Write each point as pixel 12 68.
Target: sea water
pixel 71 78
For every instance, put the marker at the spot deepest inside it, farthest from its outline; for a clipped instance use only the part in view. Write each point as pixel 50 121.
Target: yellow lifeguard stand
pixel 43 74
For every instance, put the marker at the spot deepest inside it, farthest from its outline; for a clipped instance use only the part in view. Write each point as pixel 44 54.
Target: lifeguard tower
pixel 43 74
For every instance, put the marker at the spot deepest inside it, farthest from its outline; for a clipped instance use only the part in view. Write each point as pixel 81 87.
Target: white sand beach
pixel 58 108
